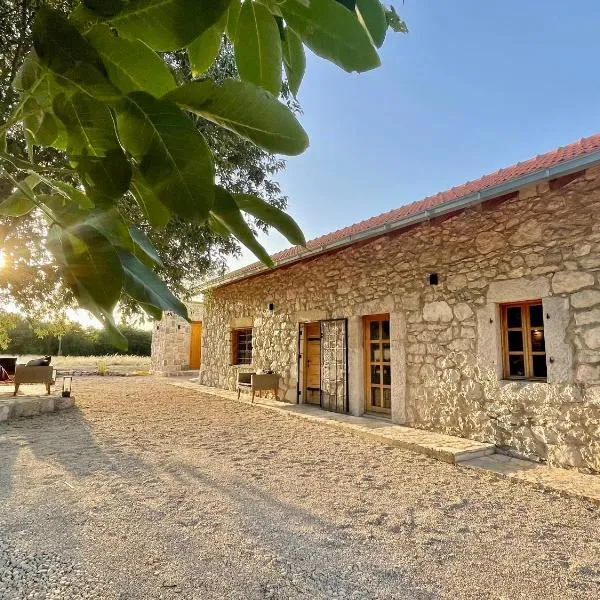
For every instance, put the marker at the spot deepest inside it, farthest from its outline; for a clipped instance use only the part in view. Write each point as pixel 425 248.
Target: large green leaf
pixel 174 159
pixel 145 245
pixel 22 200
pixel 372 14
pixel 258 47
pixel 142 284
pixel 167 25
pixel 74 62
pixel 205 48
pixel 272 216
pixel 154 210
pixel 294 59
pixel 112 226
pixel 131 64
pixel 93 146
pixel 333 32
pixel 94 265
pixel 246 109
pixel 226 212
pixel 233 14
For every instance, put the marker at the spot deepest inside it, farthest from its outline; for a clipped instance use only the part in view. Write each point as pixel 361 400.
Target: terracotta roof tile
pixel 539 163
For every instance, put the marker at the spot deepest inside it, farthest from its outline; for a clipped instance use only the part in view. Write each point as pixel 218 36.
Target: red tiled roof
pixel 539 163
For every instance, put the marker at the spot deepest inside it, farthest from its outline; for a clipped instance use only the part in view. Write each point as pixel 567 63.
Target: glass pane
pixel 387 375
pixel 516 365
pixel 513 316
pixel 539 365
pixel 386 353
pixel 537 340
pixel 375 353
pixel 375 374
pixel 536 315
pixel 515 341
pixel 375 396
pixel 385 330
pixel 374 330
pixel 387 398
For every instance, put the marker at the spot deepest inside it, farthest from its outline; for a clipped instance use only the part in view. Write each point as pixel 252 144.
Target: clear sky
pixel 475 86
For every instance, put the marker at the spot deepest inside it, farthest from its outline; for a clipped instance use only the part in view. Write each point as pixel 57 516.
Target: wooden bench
pixel 25 374
pixel 257 382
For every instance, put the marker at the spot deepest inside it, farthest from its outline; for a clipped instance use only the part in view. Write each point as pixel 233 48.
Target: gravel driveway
pixel 149 491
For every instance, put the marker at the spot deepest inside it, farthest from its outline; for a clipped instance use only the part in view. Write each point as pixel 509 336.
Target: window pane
pixel 537 340
pixel 386 353
pixel 375 353
pixel 387 398
pixel 375 396
pixel 539 365
pixel 374 330
pixel 385 330
pixel 516 365
pixel 515 341
pixel 375 374
pixel 536 315
pixel 387 375
pixel 513 316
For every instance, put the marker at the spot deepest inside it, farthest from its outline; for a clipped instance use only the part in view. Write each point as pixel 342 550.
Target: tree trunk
pixel 60 345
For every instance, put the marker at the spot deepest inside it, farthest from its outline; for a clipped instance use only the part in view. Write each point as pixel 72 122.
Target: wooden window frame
pixel 235 334
pixel 527 352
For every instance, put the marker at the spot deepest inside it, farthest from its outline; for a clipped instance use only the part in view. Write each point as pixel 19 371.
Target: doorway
pixel 312 363
pixel 196 345
pixel 378 368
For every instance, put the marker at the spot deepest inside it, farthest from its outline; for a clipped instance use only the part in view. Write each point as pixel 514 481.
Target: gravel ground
pixel 149 491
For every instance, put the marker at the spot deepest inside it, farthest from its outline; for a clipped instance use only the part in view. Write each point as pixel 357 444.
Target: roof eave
pixel 563 168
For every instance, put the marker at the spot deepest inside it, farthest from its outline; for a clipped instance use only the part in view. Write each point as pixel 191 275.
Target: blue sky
pixel 475 86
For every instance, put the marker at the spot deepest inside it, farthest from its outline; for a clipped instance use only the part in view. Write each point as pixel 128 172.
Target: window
pixel 241 348
pixel 523 342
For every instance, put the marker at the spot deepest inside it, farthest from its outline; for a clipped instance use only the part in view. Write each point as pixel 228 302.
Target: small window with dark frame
pixel 242 346
pixel 523 341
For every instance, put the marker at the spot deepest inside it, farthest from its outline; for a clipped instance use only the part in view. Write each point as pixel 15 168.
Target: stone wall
pixel 171 341
pixel 543 243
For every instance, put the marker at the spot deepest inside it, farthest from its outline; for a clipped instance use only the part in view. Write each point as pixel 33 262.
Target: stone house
pixel 474 312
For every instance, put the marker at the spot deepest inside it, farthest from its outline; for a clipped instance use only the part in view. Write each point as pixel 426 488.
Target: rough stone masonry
pixel 542 243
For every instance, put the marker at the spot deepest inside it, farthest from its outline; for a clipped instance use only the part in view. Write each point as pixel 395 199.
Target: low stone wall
pixel 31 406
pixel 171 341
pixel 542 243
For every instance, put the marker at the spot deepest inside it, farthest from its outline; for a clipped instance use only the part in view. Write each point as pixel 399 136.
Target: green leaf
pixel 247 110
pixel 258 47
pixel 21 201
pixel 156 212
pixel 373 16
pixel 217 227
pixel 174 159
pixel 271 215
pixel 233 14
pixel 331 31
pixel 105 8
pixel 143 243
pixel 394 22
pixel 152 311
pixel 131 65
pixel 110 224
pixel 142 284
pixel 93 146
pixel 205 48
pixel 94 265
pixel 70 193
pixel 294 60
pixel 74 62
pixel 167 25
pixel 226 212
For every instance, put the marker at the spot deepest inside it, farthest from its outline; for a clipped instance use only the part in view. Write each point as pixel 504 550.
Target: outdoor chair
pixel 257 382
pixel 27 374
pixel 7 369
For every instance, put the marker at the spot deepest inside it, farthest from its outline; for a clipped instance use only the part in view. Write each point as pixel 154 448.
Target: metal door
pixel 334 365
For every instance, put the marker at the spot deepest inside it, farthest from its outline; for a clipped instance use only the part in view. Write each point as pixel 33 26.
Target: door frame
pixel 379 410
pixel 305 359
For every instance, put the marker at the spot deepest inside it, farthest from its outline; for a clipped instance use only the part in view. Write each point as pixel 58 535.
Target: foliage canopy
pixel 98 86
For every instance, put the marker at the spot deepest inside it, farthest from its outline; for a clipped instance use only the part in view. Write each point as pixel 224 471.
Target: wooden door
pixel 196 345
pixel 312 363
pixel 378 369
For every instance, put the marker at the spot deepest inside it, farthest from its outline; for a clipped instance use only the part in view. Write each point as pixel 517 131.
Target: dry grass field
pixel 111 363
